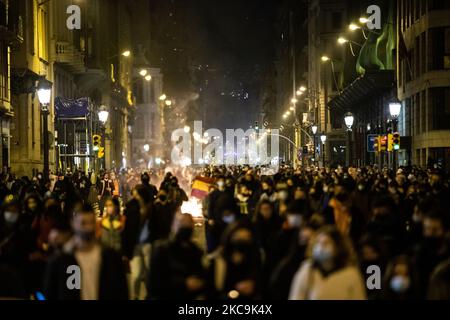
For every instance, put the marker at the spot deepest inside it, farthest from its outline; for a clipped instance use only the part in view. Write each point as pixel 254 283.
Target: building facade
pixel 424 78
pixel 30 61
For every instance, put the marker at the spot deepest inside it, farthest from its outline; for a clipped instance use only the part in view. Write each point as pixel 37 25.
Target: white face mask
pixel 399 284
pixel 220 184
pixel 229 219
pixel 416 218
pixel 10 217
pixel 294 220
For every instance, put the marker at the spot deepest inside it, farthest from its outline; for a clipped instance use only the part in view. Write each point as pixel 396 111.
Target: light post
pixel 395 109
pixel 44 92
pixel 314 132
pixel 323 138
pixel 342 40
pixel 328 59
pixel 103 116
pixel 349 119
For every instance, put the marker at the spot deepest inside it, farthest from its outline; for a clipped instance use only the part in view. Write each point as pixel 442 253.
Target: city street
pixel 225 150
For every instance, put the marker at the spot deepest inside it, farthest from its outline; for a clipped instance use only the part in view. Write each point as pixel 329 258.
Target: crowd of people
pixel 299 234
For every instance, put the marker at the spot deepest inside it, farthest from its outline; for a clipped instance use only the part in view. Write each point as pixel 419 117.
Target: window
pixel 440 98
pixel 447 48
pixel 438 5
pixel 447 100
pixel 336 20
pixel 423 7
pixel 423 112
pixel 4 92
pixel 42 33
pixel 438 44
pixel 423 55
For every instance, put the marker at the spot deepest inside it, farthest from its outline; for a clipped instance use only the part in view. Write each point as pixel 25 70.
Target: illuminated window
pixel 42 22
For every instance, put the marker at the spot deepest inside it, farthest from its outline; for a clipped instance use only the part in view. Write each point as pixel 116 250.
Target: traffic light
pixel 96 141
pixel 390 142
pixel 384 143
pixel 396 141
pixel 376 144
pixel 101 152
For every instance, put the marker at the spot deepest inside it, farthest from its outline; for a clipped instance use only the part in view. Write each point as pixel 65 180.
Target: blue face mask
pixel 322 255
pixel 399 284
pixel 229 219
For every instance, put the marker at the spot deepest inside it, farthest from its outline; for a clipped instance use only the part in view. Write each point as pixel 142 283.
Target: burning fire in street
pixel 194 207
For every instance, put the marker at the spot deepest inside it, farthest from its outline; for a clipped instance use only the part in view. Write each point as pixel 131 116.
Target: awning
pixel 367 86
pixel 70 108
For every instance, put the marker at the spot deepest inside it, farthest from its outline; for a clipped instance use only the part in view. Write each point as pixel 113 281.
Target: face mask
pixel 241 246
pixel 399 284
pixel 184 234
pixel 220 184
pixel 325 189
pixel 85 235
pixel 294 220
pixel 322 255
pixel 282 195
pixel 360 187
pixel 432 242
pixel 10 217
pixel 416 218
pixel 341 197
pixel 229 219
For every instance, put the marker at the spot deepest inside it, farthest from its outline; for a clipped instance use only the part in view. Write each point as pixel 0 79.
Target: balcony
pixel 69 57
pixel 11 27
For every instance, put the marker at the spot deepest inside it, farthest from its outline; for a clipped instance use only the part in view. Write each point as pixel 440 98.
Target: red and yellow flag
pixel 201 187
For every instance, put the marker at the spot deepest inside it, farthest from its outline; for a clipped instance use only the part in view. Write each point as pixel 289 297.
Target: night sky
pixel 232 42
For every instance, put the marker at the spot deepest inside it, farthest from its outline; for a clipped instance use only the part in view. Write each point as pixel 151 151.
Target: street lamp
pixel 126 53
pixel 143 72
pixel 342 40
pixel 328 59
pixel 163 97
pixel 148 77
pixel 349 119
pixel 395 109
pixel 323 138
pixel 314 129
pixel 44 92
pixel 363 20
pixel 353 27
pixel 146 148
pixel 168 103
pixel 103 115
pixel 187 129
